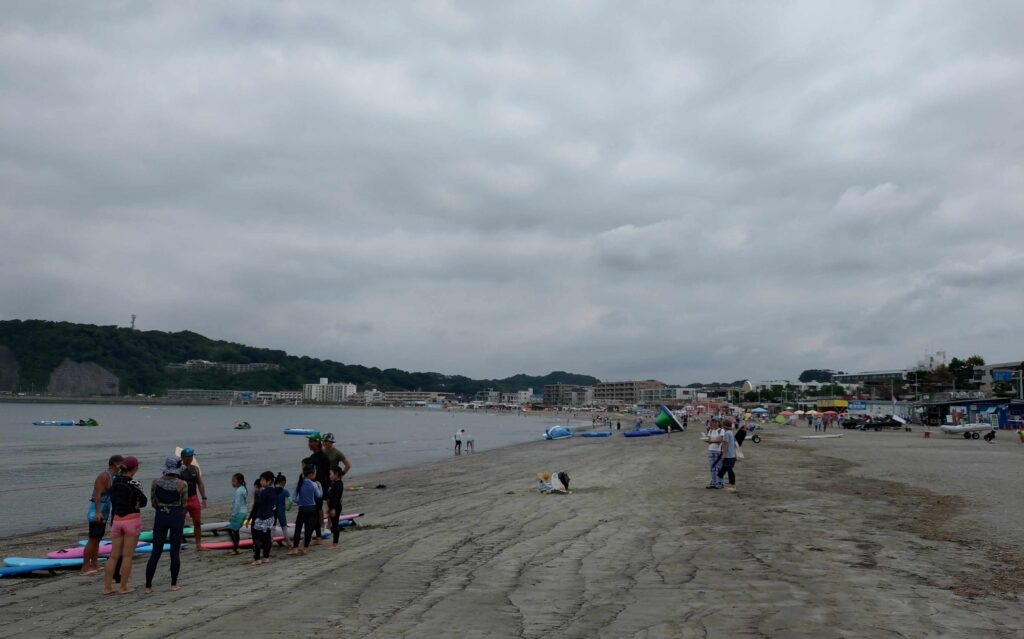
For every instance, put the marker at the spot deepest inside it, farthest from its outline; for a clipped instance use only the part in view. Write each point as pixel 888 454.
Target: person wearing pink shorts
pixel 126 501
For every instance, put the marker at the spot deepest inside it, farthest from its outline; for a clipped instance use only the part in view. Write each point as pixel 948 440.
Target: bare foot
pixel 147 591
pixel 334 546
pixel 109 592
pixel 266 561
pixel 175 588
pixel 126 591
pixel 293 552
pixel 316 542
pixel 91 571
pixel 201 549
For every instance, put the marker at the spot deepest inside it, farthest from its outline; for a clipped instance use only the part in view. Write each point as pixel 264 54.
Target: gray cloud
pixel 681 191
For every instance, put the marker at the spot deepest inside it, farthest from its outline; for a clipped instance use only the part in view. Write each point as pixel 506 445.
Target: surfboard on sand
pixel 821 437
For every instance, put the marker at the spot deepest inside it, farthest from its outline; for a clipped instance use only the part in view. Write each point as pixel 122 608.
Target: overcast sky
pixel 677 191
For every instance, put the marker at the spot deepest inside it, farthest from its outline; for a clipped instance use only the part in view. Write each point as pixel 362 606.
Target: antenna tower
pixel 133 321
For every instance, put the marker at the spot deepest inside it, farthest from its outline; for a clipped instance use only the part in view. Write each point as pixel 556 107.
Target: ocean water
pixel 47 472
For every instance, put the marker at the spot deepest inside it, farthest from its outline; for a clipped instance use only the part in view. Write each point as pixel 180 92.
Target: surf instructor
pixel 196 488
pixel 99 510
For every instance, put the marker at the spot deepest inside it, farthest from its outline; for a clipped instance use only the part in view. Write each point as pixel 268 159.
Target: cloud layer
pixel 678 191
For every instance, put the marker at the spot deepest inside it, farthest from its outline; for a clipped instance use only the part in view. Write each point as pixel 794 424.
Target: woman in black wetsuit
pixel 169 496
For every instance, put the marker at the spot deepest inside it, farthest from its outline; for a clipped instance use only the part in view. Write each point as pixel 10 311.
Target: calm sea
pixel 46 472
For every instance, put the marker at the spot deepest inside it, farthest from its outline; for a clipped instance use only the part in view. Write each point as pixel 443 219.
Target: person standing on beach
pixel 335 456
pixel 458 442
pixel 196 488
pixel 307 492
pixel 126 502
pixel 470 442
pixel 715 436
pixel 169 494
pixel 99 511
pixel 322 463
pixel 728 456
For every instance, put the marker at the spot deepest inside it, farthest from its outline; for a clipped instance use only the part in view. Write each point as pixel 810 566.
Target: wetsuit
pixel 170 519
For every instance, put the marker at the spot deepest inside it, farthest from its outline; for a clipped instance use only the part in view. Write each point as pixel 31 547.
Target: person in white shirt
pixel 728 462
pixel 715 436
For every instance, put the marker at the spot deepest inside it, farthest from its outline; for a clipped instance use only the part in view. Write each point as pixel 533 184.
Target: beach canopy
pixel 799 412
pixel 759 410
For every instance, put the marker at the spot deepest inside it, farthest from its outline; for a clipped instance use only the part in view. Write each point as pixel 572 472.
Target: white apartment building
pixel 373 396
pixel 327 392
pixel 669 393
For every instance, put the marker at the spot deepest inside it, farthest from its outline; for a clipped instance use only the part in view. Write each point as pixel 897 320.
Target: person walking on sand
pixel 126 502
pixel 715 436
pixel 169 494
pixel 470 442
pixel 99 512
pixel 729 449
pixel 458 442
pixel 194 507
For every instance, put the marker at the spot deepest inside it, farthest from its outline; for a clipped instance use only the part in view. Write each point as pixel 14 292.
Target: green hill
pixel 140 359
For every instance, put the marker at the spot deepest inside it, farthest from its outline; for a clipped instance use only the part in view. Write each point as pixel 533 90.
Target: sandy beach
pixel 871 535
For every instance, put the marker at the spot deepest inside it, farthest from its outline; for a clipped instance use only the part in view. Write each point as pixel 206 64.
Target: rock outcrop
pixel 74 379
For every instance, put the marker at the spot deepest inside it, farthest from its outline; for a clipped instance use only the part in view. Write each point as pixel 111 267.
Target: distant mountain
pixel 738 382
pixel 32 350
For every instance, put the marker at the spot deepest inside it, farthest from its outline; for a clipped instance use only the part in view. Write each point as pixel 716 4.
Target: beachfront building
pixel 987 375
pixel 196 365
pixel 621 393
pixel 568 395
pixel 670 395
pixel 407 397
pixel 202 394
pixel 489 397
pixel 327 392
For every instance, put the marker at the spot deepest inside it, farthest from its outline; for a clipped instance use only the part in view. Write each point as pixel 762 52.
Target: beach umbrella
pixel 746 415
pixel 779 419
pixel 786 413
pixel 830 412
pixel 799 412
pixel 759 410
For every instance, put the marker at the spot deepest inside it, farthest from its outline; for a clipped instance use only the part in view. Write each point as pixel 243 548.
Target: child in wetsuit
pixel 263 518
pixel 307 492
pixel 238 510
pixel 281 507
pixel 334 495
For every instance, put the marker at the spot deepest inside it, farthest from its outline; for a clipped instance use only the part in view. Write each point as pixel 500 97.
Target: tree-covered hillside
pixel 140 359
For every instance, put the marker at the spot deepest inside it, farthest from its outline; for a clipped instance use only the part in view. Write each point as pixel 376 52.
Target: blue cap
pixel 187 452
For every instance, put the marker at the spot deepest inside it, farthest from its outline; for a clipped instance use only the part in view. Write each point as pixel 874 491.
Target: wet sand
pixel 825 538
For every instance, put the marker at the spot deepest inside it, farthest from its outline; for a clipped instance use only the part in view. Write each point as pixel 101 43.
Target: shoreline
pixel 466 547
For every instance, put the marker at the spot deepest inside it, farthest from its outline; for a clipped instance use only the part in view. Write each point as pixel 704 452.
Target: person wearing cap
pixel 322 463
pixel 336 456
pixel 194 507
pixel 99 512
pixel 168 495
pixel 126 503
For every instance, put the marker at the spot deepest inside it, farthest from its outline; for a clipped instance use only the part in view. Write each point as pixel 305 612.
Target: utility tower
pixel 133 321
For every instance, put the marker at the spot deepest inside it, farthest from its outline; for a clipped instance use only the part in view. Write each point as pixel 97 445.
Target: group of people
pixel 723 451
pixel 118 498
pixel 460 437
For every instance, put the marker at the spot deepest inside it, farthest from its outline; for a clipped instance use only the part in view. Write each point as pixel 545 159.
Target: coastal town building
pixel 373 396
pixel 402 397
pixel 568 395
pixel 195 365
pixel 623 392
pixel 200 394
pixel 668 394
pixel 489 397
pixel 328 392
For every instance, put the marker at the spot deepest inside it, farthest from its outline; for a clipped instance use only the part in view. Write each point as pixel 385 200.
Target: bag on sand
pixel 739 453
